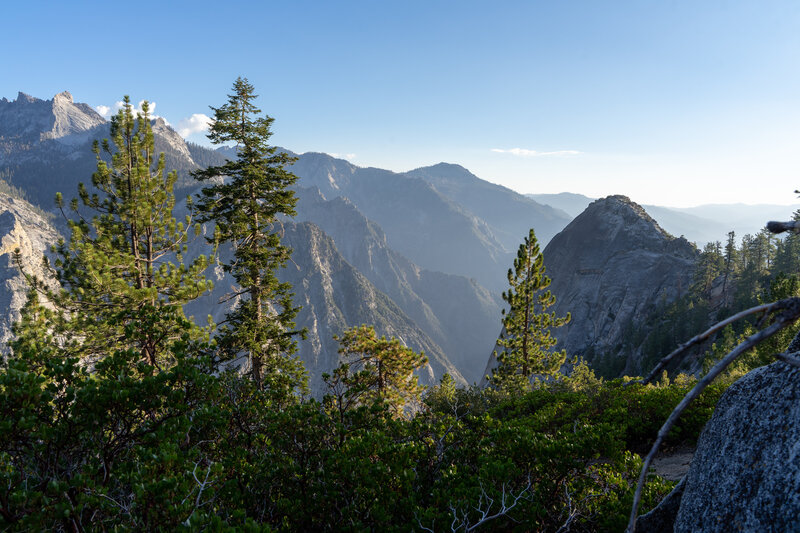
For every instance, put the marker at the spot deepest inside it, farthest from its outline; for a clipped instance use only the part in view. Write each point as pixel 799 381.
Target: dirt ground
pixel 673 464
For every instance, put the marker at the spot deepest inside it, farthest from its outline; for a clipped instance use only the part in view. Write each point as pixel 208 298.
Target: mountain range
pixel 700 224
pixel 421 255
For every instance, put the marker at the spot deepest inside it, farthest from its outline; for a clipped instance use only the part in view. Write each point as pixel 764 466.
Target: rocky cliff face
pixel 333 296
pixel 30 120
pixel 24 229
pixel 432 230
pixel 458 314
pixel 609 267
pixel 509 214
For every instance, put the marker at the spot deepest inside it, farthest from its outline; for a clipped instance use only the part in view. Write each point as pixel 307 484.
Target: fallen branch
pixel 791 311
pixel 697 339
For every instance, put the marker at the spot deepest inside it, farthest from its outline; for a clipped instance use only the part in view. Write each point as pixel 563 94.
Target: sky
pixel 675 103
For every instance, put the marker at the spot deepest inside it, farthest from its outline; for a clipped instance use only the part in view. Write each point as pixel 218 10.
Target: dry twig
pixel 790 308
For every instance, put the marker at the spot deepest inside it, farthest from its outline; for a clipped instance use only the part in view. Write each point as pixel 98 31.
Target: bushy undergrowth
pixel 125 446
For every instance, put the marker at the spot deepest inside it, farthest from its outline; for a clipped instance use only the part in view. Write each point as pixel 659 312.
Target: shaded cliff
pixel 456 312
pixel 610 268
pixel 334 296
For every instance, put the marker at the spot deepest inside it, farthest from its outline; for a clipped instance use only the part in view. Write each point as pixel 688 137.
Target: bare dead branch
pixel 789 358
pixel 508 500
pixel 697 339
pixel 780 227
pixel 791 312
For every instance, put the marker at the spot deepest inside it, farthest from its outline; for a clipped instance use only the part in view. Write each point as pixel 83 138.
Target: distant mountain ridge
pixel 610 268
pixel 509 214
pixel 700 224
pixel 455 320
pixel 457 313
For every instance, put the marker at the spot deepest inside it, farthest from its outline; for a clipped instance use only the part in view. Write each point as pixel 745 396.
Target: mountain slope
pixel 509 214
pixel 333 296
pixel 701 224
pixel 457 313
pixel 22 228
pixel 610 267
pixel 430 229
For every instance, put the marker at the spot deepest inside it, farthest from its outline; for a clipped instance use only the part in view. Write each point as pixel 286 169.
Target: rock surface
pixel 21 227
pixel 334 296
pixel 458 314
pixel 429 228
pixel 509 214
pixel 745 475
pixel 31 120
pixel 610 267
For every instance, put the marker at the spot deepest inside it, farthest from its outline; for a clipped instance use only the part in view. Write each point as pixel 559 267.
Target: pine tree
pixel 375 370
pixel 122 276
pixel 245 206
pixel 731 260
pixel 526 340
pixel 710 264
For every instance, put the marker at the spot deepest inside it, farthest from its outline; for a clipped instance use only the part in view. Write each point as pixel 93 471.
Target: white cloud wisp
pixel 197 123
pixel 523 152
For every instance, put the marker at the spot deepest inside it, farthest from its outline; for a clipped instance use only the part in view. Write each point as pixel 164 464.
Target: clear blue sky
pixel 672 103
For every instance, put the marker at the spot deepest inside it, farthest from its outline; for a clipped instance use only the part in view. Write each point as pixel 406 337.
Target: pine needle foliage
pixel 526 342
pixel 122 274
pixel 375 370
pixel 246 198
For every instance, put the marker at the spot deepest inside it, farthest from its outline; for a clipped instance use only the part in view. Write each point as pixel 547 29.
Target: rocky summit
pixel 610 267
pixel 31 120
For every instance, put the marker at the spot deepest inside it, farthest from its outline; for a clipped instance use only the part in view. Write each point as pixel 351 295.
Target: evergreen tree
pixel 787 253
pixel 731 260
pixel 375 370
pixel 709 266
pixel 526 340
pixel 245 206
pixel 122 276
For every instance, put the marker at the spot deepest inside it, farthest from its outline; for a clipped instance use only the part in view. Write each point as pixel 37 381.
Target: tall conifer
pixel 526 341
pixel 245 202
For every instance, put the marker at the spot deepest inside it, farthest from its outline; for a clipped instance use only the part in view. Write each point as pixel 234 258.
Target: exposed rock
pixel 609 268
pixel 745 475
pixel 334 296
pixel 24 229
pixel 434 231
pixel 509 214
pixel 30 120
pixel 170 140
pixel 458 314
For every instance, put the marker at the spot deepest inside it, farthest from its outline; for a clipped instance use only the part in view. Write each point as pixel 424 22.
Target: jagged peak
pixel 65 95
pixel 25 98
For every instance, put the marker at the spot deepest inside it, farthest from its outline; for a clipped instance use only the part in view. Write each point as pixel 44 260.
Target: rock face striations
pixel 334 296
pixel 456 312
pixel 29 120
pixel 609 267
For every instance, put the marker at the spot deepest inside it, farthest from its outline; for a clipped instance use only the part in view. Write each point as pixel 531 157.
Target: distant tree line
pixel 728 278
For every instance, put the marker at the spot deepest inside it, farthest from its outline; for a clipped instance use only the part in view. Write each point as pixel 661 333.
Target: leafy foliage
pixel 727 279
pixel 116 414
pixel 122 273
pixel 375 370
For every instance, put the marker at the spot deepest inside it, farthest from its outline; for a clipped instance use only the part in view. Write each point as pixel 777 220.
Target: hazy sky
pixel 670 103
